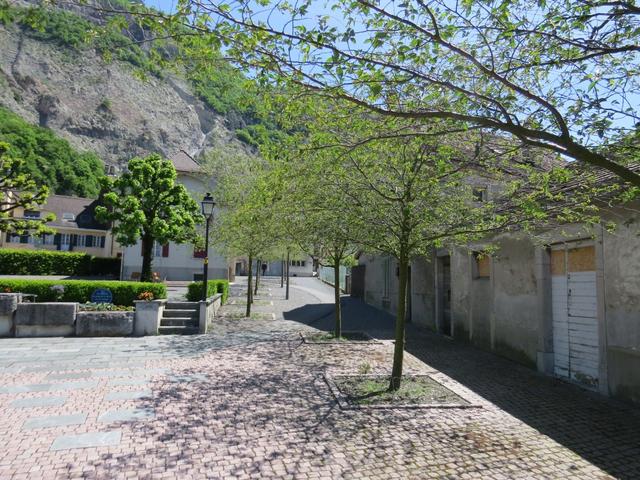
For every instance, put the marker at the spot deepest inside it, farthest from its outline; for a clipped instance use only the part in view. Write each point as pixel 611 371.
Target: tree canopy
pixel 556 75
pixel 146 203
pixel 19 191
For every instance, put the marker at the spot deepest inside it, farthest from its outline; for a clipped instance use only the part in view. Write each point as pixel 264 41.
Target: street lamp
pixel 207 211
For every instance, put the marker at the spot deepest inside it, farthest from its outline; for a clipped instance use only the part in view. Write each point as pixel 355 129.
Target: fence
pixel 326 274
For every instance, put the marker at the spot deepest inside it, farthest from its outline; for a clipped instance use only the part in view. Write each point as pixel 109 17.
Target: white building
pixel 173 261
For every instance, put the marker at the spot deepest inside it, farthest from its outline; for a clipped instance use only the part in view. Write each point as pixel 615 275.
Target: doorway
pixel 576 342
pixel 443 266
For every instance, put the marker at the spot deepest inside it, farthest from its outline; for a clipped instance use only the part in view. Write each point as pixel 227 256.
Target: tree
pixel 312 210
pixel 556 75
pixel 402 194
pixel 246 223
pixel 146 203
pixel 18 190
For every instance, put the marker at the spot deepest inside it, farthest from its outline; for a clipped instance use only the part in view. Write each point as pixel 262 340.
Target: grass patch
pixel 414 390
pixel 239 315
pixel 329 337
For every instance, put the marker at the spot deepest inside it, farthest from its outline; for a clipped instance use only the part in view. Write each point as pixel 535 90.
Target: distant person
pixel 264 268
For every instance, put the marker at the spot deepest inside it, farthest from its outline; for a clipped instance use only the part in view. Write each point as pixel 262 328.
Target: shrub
pixel 124 293
pixel 46 262
pixel 194 291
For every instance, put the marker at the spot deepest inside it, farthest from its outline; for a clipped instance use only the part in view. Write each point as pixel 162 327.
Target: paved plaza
pixel 250 401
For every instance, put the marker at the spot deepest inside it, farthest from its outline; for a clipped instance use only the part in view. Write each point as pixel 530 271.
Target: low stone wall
pixel 208 310
pixel 104 324
pixel 56 319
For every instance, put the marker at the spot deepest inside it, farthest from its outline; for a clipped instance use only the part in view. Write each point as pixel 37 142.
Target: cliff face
pixel 102 106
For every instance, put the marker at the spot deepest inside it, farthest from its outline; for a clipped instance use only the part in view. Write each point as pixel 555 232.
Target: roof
pixel 185 162
pixel 83 210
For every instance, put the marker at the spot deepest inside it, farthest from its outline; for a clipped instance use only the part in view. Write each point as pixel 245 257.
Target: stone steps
pixel 180 318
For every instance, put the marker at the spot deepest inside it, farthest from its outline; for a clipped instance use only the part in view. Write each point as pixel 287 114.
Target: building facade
pixel 299 266
pixel 76 228
pixel 568 305
pixel 181 262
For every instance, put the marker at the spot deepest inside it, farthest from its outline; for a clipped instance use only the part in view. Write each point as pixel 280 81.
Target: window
pixel 47 239
pixel 31 214
pixel 481 265
pixel 82 241
pixel 160 250
pixel 65 239
pixel 480 194
pixel 199 253
pixel 298 263
pixel 68 217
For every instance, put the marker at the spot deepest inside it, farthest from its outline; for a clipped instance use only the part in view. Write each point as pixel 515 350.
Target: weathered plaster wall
pixel 516 307
pixel 621 262
pixel 423 291
pixel 461 294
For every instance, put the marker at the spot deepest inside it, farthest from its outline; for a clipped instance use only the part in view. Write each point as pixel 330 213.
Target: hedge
pixel 124 293
pixel 194 291
pixel 47 262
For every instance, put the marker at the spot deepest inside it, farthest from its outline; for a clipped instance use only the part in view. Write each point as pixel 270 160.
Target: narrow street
pixel 250 401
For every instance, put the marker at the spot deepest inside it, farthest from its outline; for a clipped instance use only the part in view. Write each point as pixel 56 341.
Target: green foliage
pixel 124 293
pixel 194 290
pixel 45 262
pixel 18 189
pixel 147 203
pixel 49 160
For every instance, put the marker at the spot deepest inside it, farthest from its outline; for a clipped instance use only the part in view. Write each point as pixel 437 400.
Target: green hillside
pixel 218 84
pixel 50 159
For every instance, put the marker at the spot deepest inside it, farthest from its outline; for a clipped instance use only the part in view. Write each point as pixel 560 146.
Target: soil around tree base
pixel 346 338
pixel 371 391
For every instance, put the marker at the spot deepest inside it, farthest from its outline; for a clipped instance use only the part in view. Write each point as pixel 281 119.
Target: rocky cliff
pixel 103 106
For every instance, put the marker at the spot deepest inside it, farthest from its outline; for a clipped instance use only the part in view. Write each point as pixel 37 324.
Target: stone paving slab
pixel 128 381
pixel 127 395
pixel 126 415
pixel 55 421
pixel 87 440
pixel 38 402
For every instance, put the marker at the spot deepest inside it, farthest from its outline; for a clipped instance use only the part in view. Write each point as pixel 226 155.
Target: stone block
pixel 8 305
pixel 148 316
pixel 56 319
pixel 104 324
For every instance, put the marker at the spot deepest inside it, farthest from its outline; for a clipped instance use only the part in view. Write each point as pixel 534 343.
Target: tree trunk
pixel 258 265
pixel 398 351
pixel 147 258
pixel 249 289
pixel 282 273
pixel 336 290
pixel 288 262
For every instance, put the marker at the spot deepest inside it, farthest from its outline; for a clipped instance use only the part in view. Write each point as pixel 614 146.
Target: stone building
pixel 75 225
pixel 568 305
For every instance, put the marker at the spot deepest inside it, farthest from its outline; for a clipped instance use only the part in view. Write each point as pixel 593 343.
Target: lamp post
pixel 207 211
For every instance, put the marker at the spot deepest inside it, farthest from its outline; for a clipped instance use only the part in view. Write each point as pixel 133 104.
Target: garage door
pixel 575 314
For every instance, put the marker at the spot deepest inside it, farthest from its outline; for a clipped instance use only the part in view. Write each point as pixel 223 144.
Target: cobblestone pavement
pixel 250 401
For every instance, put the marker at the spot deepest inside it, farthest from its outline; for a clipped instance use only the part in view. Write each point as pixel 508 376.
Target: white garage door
pixel 575 314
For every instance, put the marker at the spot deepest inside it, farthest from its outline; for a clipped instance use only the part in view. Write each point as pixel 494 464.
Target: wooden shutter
pixel 165 250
